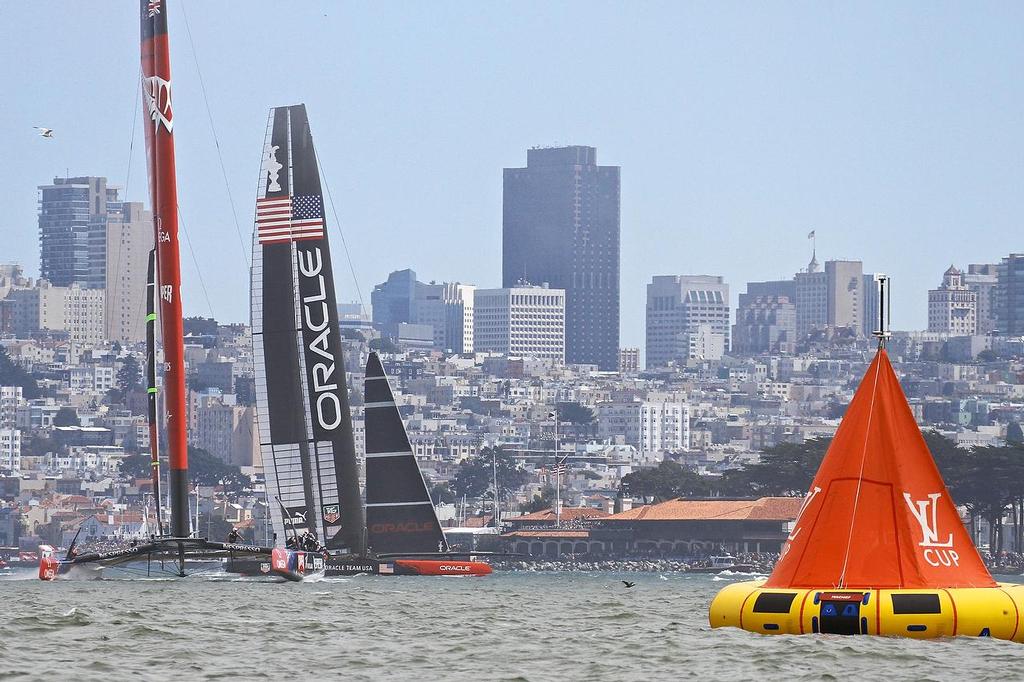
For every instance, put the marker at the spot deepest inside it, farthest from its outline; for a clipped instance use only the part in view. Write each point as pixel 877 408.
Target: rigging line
pixel 216 141
pixel 341 233
pixel 127 179
pixel 199 272
pixel 860 476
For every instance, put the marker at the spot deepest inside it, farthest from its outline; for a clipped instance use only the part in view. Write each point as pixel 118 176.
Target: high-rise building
pixel 560 225
pixel 88 236
pixel 832 298
pixel 129 241
pixel 982 279
pixel 447 308
pixel 391 302
pixel 1010 295
pixel 676 307
pixel 952 308
pixel 764 324
pixel 521 322
pixel 869 288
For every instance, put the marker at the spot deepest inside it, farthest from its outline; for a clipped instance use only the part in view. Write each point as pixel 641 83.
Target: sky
pixel 895 131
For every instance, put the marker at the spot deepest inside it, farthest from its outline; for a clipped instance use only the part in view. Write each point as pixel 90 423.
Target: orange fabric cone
pixel 878 514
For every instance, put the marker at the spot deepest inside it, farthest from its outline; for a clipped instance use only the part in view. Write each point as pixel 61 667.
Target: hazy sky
pixel 895 130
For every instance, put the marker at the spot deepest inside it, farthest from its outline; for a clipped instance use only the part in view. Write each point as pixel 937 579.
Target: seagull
pixel 628 584
pixel 44 132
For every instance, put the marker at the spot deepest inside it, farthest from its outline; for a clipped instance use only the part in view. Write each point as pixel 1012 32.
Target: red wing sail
pixel 878 514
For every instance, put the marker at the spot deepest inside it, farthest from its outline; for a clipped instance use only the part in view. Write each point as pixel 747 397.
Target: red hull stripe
pixel 434 567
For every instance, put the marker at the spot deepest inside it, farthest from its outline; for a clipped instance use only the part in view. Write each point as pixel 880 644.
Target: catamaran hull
pixel 351 567
pixel 298 566
pixel 918 613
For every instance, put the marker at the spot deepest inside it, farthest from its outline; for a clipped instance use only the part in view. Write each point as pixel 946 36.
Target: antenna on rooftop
pixel 883 290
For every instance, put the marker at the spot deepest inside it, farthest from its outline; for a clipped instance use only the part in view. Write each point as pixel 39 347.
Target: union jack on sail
pixel 285 219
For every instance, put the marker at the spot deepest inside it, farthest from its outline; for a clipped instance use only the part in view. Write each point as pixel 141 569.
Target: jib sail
pixel 400 516
pixel 302 404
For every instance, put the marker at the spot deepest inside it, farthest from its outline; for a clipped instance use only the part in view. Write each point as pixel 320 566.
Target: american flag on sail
pixel 286 219
pixel 154 7
pixel 560 466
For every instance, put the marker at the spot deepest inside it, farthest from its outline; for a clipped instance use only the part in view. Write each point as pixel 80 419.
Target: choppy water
pixel 511 626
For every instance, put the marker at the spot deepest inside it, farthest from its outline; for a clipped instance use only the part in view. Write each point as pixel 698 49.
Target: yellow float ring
pixel 921 614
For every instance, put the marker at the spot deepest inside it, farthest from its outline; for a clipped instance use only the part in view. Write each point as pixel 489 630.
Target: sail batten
pixel 400 515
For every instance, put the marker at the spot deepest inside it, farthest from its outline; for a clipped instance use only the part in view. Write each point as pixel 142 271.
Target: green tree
pixel 786 469
pixel 575 413
pixel 441 493
pixel 1014 434
pixel 129 376
pixel 12 374
pixel 474 477
pixel 666 481
pixel 384 345
pixel 541 501
pixel 66 416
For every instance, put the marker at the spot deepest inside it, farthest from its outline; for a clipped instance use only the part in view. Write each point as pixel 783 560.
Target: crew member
pixel 234 536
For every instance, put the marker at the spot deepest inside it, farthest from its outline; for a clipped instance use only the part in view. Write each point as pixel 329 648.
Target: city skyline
pixel 729 157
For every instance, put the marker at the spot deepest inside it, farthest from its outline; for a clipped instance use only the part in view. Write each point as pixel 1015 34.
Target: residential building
pixel 629 360
pixel 10 449
pixel 561 225
pixel 73 309
pixel 982 279
pixel 521 321
pixel 10 399
pixel 224 429
pixel 650 426
pixel 952 308
pixel 676 306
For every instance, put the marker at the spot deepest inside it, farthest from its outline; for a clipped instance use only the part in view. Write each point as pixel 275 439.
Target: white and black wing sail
pixel 400 516
pixel 304 420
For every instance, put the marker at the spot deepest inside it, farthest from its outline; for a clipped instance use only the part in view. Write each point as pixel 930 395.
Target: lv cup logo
pixel 935 552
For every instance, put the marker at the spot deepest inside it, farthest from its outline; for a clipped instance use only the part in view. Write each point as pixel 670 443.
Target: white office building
pixel 525 321
pixel 679 306
pixel 10 450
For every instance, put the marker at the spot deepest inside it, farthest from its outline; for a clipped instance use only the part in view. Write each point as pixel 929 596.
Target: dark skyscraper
pixel 561 226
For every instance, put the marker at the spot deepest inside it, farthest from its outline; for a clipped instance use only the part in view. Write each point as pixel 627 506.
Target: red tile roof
pixel 568 514
pixel 763 509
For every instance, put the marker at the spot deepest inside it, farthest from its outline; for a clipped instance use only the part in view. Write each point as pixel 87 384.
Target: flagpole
pixel 558 476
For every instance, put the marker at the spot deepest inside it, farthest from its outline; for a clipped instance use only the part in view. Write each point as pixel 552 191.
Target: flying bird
pixel 628 584
pixel 44 132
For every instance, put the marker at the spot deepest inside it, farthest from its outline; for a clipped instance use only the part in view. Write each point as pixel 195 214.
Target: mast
pixel 156 85
pixel 154 431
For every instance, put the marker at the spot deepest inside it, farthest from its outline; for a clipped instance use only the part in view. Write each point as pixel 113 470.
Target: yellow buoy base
pixel 921 614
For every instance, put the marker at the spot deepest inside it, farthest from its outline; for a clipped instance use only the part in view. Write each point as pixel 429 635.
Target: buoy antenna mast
pixel 883 290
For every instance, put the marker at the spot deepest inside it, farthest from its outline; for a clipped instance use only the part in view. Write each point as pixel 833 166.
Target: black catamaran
pixel 304 417
pixel 174 549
